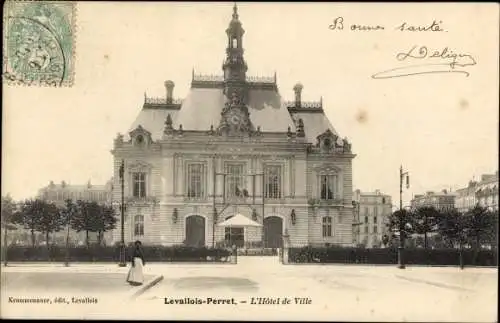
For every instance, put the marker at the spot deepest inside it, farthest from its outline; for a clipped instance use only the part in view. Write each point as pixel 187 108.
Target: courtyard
pixel 261 288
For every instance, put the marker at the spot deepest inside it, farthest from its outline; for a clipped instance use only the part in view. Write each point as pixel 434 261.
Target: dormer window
pixel 140 140
pixel 326 141
pixel 140 137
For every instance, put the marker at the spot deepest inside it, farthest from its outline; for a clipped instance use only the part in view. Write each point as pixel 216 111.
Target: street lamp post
pixel 66 259
pixel 402 175
pixel 263 201
pixel 4 249
pixel 122 216
pixel 215 214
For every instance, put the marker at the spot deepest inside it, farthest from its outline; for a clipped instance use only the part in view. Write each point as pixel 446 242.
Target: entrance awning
pixel 239 220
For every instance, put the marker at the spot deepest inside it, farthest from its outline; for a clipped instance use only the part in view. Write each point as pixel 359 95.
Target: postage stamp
pixel 39 43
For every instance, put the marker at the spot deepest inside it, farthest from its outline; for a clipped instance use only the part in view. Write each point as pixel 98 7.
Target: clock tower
pixel 235 118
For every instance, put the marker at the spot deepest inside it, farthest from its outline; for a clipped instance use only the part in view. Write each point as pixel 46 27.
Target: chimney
pixel 298 94
pixel 169 86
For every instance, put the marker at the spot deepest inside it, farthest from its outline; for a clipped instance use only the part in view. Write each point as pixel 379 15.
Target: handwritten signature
pixel 434 61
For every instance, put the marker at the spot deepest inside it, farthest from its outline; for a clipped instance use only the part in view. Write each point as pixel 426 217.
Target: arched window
pixel 327 226
pixel 139 224
pixel 235 42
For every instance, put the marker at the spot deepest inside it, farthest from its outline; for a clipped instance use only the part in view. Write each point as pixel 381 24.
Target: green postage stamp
pixel 39 43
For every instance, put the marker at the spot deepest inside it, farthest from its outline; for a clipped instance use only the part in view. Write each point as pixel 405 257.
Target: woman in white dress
pixel 135 276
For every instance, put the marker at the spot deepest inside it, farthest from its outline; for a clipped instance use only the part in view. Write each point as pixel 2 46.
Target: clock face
pixel 235 119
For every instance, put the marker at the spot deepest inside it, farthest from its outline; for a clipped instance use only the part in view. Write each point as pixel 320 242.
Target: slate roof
pixel 153 120
pixel 202 108
pixel 315 123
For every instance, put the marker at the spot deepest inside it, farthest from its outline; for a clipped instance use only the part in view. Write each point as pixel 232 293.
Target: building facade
pixel 439 200
pixel 59 193
pixel 483 192
pixel 373 210
pixel 233 146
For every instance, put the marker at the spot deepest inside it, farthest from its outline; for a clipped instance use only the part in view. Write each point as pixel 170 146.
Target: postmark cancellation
pixel 39 43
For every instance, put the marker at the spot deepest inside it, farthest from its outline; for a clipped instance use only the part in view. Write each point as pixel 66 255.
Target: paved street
pixel 335 292
pixel 95 283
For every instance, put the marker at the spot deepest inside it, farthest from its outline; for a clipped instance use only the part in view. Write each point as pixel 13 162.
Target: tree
pixel 424 221
pixel 28 217
pixel 482 226
pixel 400 222
pixel 92 217
pixel 106 221
pixel 82 218
pixel 68 212
pixel 51 220
pixel 454 228
pixel 39 216
pixel 8 211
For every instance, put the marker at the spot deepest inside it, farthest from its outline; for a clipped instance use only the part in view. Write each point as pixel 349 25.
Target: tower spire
pixel 235 115
pixel 234 65
pixel 235 11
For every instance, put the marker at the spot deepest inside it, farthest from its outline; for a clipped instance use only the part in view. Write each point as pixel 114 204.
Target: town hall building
pixel 232 147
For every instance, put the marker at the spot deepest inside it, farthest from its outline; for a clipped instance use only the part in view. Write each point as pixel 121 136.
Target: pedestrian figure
pixel 135 275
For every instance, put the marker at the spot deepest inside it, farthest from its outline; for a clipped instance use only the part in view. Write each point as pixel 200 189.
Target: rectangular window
pixel 273 182
pixel 234 180
pixel 327 226
pixel 139 180
pixel 375 219
pixel 366 219
pixel 366 229
pixel 139 223
pixel 366 211
pixel 328 186
pixel 195 179
pixel 375 211
pixel 374 229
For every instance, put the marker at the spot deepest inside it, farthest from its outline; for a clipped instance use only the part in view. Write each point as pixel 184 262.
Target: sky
pixel 443 128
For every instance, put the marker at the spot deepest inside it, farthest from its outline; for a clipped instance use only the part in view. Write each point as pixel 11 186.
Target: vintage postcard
pixel 250 161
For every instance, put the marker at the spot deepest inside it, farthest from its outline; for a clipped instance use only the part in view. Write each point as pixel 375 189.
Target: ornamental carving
pixel 235 118
pixel 140 137
pixel 139 166
pixel 327 141
pixel 169 129
pixel 327 169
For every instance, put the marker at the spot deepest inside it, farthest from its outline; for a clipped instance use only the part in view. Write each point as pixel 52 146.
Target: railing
pixel 220 78
pixel 141 200
pixel 152 100
pixel 208 78
pixel 261 79
pixel 305 104
pixel 324 202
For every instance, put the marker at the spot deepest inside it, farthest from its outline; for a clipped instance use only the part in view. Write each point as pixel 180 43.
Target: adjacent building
pixel 439 200
pixel 372 211
pixel 234 146
pixel 483 192
pixel 59 193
